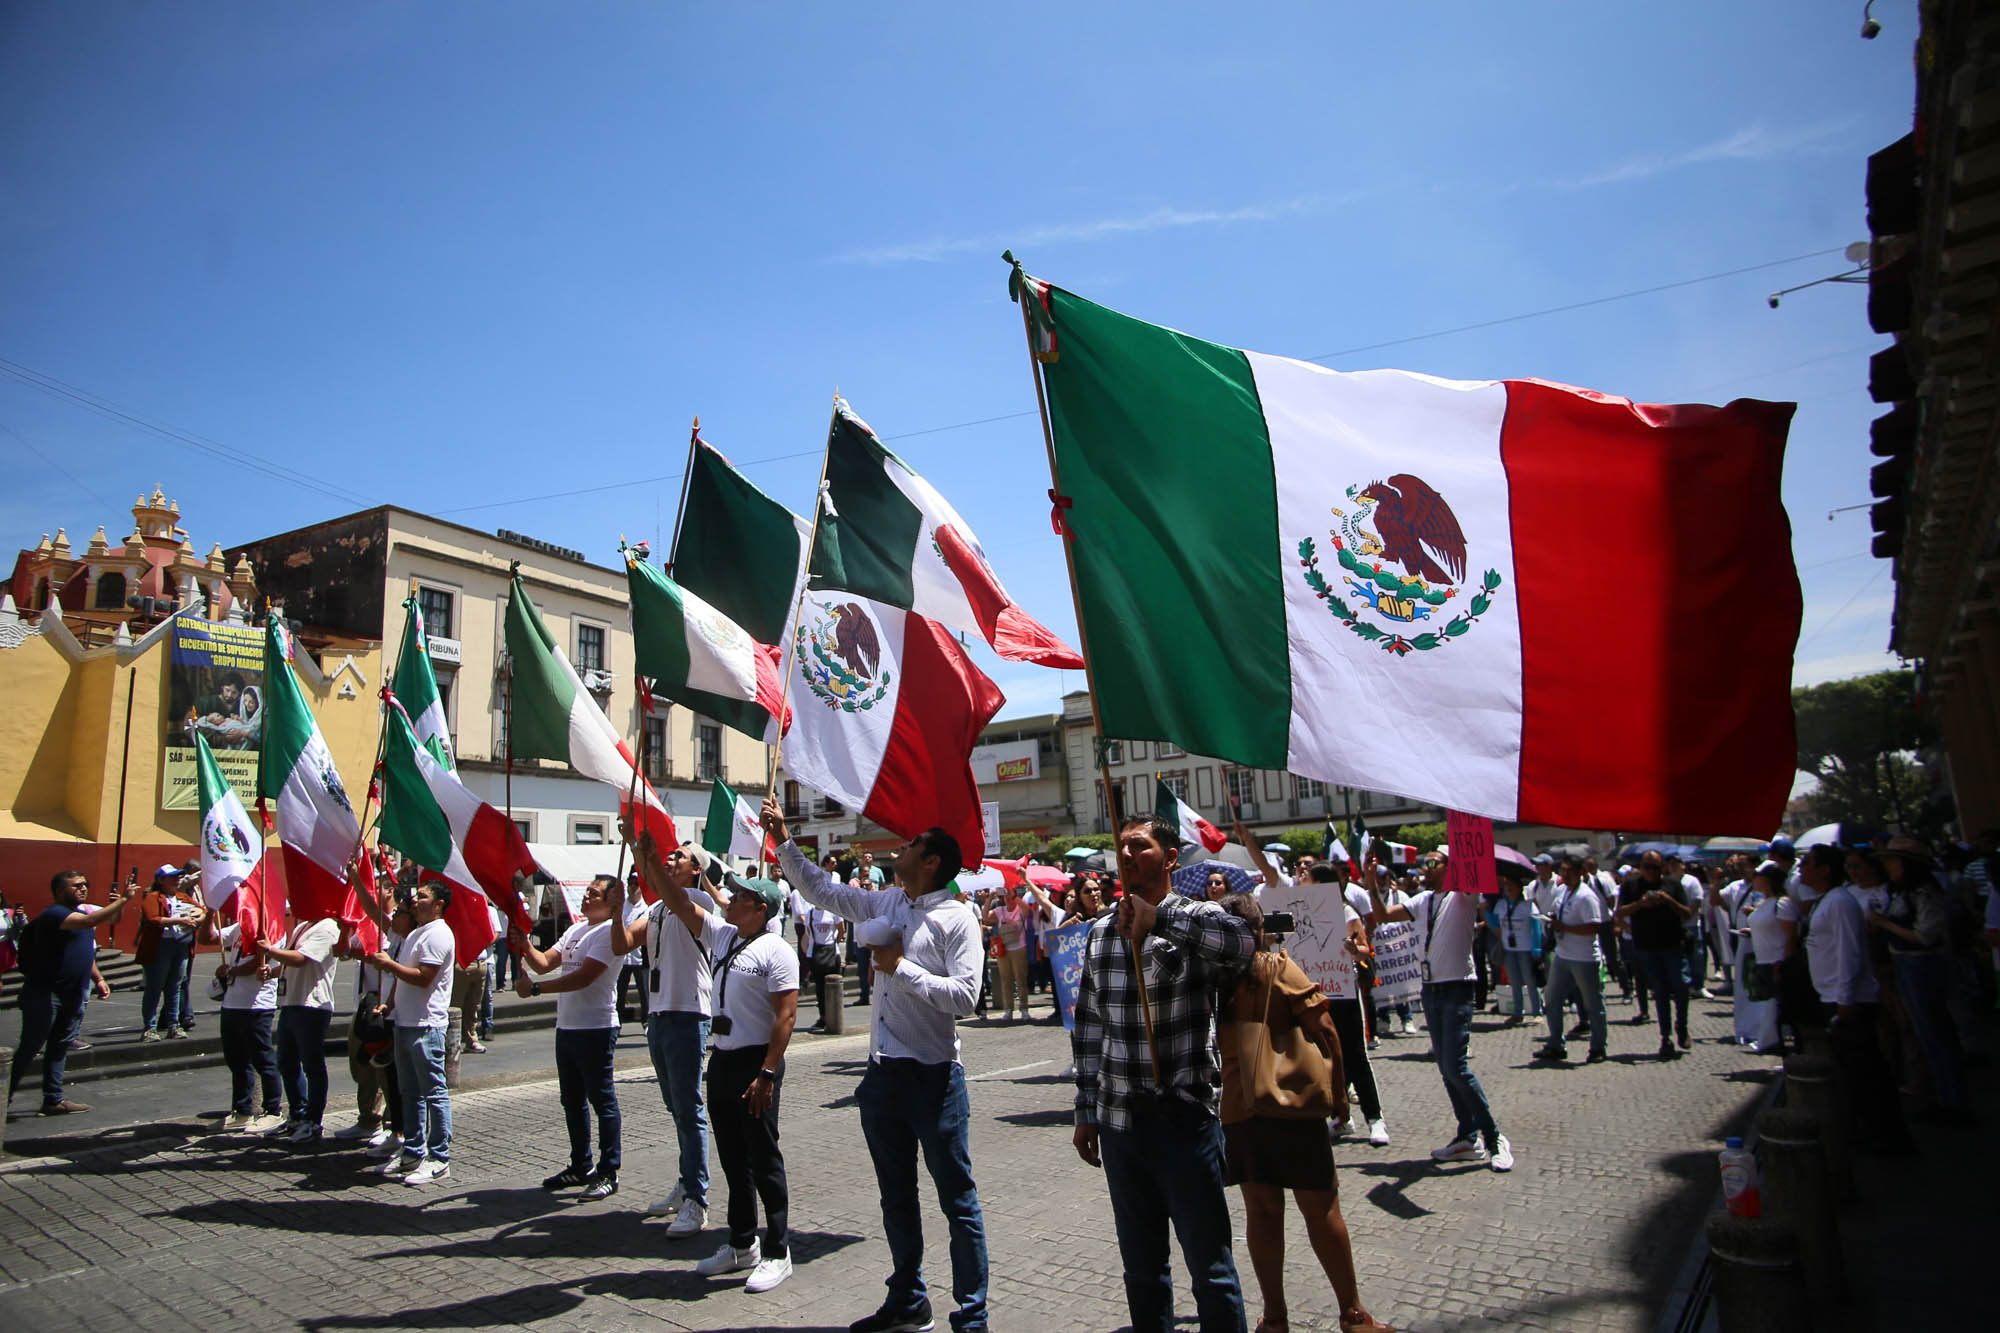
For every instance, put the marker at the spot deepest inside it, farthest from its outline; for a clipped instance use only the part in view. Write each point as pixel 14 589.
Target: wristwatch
pixel 534 988
pixel 768 1075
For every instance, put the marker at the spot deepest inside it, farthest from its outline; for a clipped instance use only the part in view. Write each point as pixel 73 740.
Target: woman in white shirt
pixel 1767 925
pixel 586 1031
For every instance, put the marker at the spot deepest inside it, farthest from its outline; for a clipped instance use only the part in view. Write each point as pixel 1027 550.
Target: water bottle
pixel 1739 1180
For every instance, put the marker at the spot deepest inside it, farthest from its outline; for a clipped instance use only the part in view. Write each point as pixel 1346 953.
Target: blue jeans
pixel 1575 977
pixel 486 998
pixel 1665 975
pixel 583 1074
pixel 1924 981
pixel 302 1060
pixel 1448 1016
pixel 47 1014
pixel 426 1101
pixel 164 978
pixel 246 1047
pixel 676 1039
pixel 906 1105
pixel 1168 1167
pixel 1521 972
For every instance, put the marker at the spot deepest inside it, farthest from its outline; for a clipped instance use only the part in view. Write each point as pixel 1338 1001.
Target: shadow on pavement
pixel 546 1300
pixel 1055 1117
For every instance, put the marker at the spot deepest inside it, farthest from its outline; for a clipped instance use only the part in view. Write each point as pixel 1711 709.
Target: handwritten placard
pixel 1470 867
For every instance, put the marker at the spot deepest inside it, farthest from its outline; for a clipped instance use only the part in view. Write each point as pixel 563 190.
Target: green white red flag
pixel 735 827
pixel 698 657
pixel 1475 593
pixel 903 545
pixel 295 770
pixel 415 684
pixel 1193 828
pixel 551 716
pixel 231 845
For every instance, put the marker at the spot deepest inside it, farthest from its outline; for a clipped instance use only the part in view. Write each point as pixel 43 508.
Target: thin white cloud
pixel 1755 143
pixel 1159 219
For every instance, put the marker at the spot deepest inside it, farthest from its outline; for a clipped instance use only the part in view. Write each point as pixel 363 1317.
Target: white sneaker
pixel 1341 1129
pixel 428 1170
pixel 239 1120
pixel 1460 1150
pixel 1378 1133
pixel 399 1163
pixel 386 1144
pixel 769 1273
pixel 377 1138
pixel 357 1130
pixel 266 1124
pixel 693 1217
pixel 729 1259
pixel 1503 1154
pixel 670 1204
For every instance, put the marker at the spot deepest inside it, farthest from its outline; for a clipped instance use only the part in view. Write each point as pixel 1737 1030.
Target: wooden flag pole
pixel 798 604
pixel 1083 645
pixel 630 824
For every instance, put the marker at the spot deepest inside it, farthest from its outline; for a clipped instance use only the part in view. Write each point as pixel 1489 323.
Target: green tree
pixel 1861 738
pixel 1097 842
pixel 1013 846
pixel 1423 837
pixel 1305 840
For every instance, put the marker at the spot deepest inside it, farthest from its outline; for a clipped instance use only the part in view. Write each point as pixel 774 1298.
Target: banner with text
pixel 1065 948
pixel 1470 867
pixel 215 671
pixel 1318 942
pixel 1399 967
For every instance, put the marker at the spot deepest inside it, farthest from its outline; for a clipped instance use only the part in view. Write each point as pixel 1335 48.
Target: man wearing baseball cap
pixel 925 948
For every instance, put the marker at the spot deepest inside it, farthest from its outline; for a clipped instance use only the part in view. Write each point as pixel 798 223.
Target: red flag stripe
pixel 1014 634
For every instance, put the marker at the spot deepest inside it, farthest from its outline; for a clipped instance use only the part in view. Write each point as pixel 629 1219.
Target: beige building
pixel 350 575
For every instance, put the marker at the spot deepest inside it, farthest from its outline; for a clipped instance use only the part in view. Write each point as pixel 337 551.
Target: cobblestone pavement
pixel 197 1230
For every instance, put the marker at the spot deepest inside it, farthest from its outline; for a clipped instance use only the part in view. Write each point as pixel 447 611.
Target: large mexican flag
pixel 430 817
pixel 902 544
pixel 295 769
pixel 1484 594
pixel 551 715
pixel 698 657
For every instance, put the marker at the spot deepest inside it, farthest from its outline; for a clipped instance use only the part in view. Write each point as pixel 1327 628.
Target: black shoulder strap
pixel 722 993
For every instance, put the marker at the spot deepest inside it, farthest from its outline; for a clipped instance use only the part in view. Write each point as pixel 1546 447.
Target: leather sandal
pixel 1360 1321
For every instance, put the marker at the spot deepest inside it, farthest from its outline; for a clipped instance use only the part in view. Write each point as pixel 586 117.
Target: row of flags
pixel 1374 579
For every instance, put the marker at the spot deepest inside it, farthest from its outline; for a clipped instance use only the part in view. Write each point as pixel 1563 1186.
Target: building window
pixel 1310 789
pixel 1239 785
pixel 527 829
pixel 590 647
pixel 1114 752
pixel 111 591
pixel 795 806
pixel 1168 750
pixel 587 833
pixel 708 751
pixel 447 683
pixel 435 603
pixel 655 729
pixel 41 602
pixel 1177 783
pixel 1138 751
pixel 828 808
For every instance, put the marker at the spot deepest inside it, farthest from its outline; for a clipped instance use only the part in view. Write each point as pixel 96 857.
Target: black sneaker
pixel 1667 1051
pixel 1580 1030
pixel 1551 1054
pixel 601 1186
pixel 915 1321
pixel 1682 1038
pixel 1595 1058
pixel 567 1178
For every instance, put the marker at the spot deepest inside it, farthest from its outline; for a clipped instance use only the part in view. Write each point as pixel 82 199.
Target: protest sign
pixel 1470 867
pixel 1398 964
pixel 216 673
pixel 1318 942
pixel 1065 948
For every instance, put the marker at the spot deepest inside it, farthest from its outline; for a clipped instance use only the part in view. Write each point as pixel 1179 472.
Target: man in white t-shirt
pixel 422 973
pixel 586 1028
pixel 305 1009
pixel 678 984
pixel 1577 918
pixel 249 1001
pixel 756 1006
pixel 1446 923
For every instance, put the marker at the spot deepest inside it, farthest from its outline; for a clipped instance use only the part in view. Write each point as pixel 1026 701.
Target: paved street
pixel 202 1231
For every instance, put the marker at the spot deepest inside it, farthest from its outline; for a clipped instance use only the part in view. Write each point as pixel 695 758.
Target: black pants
pixel 1874 1110
pixel 747 1146
pixel 629 976
pixel 1354 1056
pixel 1364 981
pixel 246 1048
pixel 1481 974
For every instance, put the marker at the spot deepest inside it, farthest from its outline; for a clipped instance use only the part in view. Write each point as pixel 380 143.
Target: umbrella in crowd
pixel 1192 880
pixel 1825 835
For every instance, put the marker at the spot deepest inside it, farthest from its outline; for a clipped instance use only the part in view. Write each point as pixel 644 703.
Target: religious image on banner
pixel 1065 948
pixel 215 687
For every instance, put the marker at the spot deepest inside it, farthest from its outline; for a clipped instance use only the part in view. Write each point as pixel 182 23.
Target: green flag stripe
pixel 411 820
pixel 659 625
pixel 879 525
pixel 738 549
pixel 538 727
pixel 209 782
pixel 1161 445
pixel 415 683
pixel 288 724
pixel 720 829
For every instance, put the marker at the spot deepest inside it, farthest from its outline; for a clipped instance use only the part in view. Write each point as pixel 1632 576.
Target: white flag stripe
pixel 313 819
pixel 1458 721
pixel 226 831
pixel 936 592
pixel 838 752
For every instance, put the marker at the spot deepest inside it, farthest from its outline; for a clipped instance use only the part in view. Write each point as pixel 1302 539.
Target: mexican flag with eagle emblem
pixel 316 821
pixel 231 845
pixel 1475 593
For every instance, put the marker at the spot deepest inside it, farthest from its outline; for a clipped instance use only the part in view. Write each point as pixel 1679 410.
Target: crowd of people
pixel 1203 1056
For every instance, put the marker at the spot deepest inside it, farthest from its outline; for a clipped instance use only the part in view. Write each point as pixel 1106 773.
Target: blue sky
pixel 462 257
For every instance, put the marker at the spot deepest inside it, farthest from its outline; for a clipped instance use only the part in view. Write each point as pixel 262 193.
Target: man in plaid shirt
pixel 1147 1103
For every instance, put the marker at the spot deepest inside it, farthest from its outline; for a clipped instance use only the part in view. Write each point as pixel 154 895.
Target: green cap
pixel 772 892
